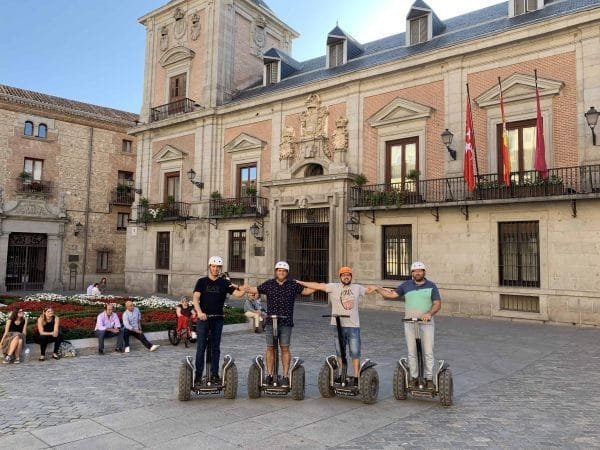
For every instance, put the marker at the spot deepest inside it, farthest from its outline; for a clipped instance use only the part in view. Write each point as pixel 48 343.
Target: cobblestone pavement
pixel 515 385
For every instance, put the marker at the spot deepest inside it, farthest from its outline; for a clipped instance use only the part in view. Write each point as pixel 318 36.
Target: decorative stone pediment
pixel 518 87
pixel 169 153
pixel 175 55
pixel 32 207
pixel 244 142
pixel 399 110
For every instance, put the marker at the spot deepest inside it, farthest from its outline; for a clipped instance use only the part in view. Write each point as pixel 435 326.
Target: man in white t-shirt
pixel 344 298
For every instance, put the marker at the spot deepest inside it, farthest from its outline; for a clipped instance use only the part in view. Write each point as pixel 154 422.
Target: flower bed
pixel 78 313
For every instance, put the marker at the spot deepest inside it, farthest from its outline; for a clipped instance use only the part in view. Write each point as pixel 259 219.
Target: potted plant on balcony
pixel 215 195
pixel 490 189
pixel 359 181
pixel 411 187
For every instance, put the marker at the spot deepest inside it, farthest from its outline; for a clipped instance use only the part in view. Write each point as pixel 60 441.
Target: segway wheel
pixel 231 382
pixel 399 383
pixel 298 383
pixel 173 338
pixel 369 386
pixel 446 387
pixel 185 382
pixel 324 387
pixel 254 382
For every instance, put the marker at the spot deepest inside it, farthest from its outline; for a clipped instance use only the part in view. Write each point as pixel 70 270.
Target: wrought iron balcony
pixel 34 187
pixel 571 182
pixel 121 196
pixel 175 108
pixel 163 212
pixel 238 207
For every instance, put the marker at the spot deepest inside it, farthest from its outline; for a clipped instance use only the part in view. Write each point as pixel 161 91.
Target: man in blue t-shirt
pixel 422 301
pixel 281 293
pixel 210 294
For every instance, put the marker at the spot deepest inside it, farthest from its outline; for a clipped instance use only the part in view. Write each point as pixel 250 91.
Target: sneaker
pixel 338 379
pixel 7 360
pixel 269 380
pixel 154 347
pixel 119 350
pixel 353 381
pixel 101 352
pixel 216 379
pixel 17 361
pixel 429 385
pixel 285 382
pixel 257 330
pixel 413 383
pixel 127 349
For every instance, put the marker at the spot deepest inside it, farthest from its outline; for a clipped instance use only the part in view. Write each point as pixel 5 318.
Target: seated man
pixel 132 326
pixel 253 309
pixel 108 325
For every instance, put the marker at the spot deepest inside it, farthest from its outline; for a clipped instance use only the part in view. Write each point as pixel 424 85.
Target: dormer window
pixel 419 29
pixel 336 54
pixel 524 6
pixel 271 73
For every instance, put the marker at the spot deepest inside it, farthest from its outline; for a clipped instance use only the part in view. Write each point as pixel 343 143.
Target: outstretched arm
pixel 312 285
pixel 249 289
pixel 385 292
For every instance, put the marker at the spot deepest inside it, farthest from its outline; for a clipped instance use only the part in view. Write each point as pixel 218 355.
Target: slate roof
pixel 467 27
pixel 38 100
pixel 353 47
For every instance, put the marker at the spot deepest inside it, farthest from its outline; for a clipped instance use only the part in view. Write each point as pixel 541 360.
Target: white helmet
pixel 417 265
pixel 282 265
pixel 215 261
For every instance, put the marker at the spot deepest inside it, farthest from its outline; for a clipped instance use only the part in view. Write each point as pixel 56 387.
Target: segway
pixel 257 383
pixel 192 382
pixel 341 384
pixel 442 376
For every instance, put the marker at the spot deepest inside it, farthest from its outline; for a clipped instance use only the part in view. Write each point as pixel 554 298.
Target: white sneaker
pixel 127 349
pixel 154 347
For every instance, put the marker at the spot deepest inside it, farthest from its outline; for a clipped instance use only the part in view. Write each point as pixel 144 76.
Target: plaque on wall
pixel 259 251
pixel 73 258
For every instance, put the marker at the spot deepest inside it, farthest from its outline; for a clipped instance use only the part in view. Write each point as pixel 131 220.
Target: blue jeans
pixel 351 338
pixel 102 334
pixel 202 326
pixel 426 331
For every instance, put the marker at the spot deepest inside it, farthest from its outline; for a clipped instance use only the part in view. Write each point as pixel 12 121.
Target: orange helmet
pixel 344 270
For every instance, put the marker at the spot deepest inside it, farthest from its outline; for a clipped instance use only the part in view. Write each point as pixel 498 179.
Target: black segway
pixel 442 376
pixel 257 383
pixel 192 382
pixel 341 384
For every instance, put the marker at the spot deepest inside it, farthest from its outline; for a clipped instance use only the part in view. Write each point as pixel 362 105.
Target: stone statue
pixel 286 148
pixel 180 25
pixel 164 38
pixel 259 36
pixel 340 135
pixel 195 33
pixel 314 119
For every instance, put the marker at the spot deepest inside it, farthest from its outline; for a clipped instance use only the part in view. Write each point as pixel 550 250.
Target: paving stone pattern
pixel 524 385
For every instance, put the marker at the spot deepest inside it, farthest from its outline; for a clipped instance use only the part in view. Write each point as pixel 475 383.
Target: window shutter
pixel 531 5
pixel 519 7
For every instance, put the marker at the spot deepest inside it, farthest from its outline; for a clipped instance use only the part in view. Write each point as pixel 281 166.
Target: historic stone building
pixel 339 160
pixel 65 197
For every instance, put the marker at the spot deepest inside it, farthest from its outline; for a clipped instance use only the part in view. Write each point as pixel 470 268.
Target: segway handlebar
pixel 214 316
pixel 415 319
pixel 333 315
pixel 275 316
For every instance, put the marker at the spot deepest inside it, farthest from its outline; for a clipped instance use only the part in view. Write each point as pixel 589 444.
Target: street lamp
pixel 447 137
pixel 191 174
pixel 591 117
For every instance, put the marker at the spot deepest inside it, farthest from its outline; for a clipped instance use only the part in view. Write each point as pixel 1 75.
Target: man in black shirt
pixel 210 294
pixel 281 295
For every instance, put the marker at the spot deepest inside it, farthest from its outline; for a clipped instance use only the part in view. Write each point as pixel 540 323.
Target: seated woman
pixel 48 331
pixel 13 340
pixel 253 309
pixel 186 316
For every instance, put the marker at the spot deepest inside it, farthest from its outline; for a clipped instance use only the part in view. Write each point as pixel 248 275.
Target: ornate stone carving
pixel 195 32
pixel 180 24
pixel 314 120
pixel 259 36
pixel 287 147
pixel 62 206
pixel 340 135
pixel 164 38
pixel 31 208
pixel 287 41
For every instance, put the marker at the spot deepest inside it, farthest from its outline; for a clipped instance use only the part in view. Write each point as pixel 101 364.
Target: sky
pixel 93 50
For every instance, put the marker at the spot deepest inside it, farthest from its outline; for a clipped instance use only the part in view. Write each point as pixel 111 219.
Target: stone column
pixel 3 260
pixel 53 263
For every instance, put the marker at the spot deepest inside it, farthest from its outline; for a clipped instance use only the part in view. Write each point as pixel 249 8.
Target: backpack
pixel 66 350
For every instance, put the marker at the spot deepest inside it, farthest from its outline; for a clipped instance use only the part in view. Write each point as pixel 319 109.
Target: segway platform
pixel 188 383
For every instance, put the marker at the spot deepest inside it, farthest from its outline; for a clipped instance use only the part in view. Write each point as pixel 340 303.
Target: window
pixel 126 146
pixel 42 130
pixel 122 220
pixel 123 177
pixel 177 88
pixel 246 178
pixel 102 262
pixel 418 30
pixel 397 252
pixel 28 129
pixel 336 54
pixel 237 250
pixel 271 73
pixel 162 249
pixel 313 170
pixel 162 284
pixel 401 162
pixel 521 147
pixel 523 6
pixel 172 186
pixel 519 253
pixel 34 168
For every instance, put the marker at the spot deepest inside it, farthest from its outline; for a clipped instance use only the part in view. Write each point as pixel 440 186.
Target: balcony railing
pixel 122 197
pixel 163 212
pixel 34 187
pixel 238 207
pixel 561 182
pixel 175 108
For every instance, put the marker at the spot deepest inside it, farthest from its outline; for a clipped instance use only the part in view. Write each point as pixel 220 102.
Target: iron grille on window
pixel 237 250
pixel 162 249
pixel 521 303
pixel 519 253
pixel 162 283
pixel 397 252
pixel 102 262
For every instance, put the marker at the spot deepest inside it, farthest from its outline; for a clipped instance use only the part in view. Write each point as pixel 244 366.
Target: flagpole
pixel 474 140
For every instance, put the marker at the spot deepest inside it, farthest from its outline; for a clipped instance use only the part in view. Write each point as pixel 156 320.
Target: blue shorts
pixel 351 337
pixel 284 332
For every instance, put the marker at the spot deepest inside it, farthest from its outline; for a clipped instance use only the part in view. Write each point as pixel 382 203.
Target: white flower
pixel 157 302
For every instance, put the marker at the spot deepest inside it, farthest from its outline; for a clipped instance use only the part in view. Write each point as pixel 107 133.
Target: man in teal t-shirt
pixel 422 301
